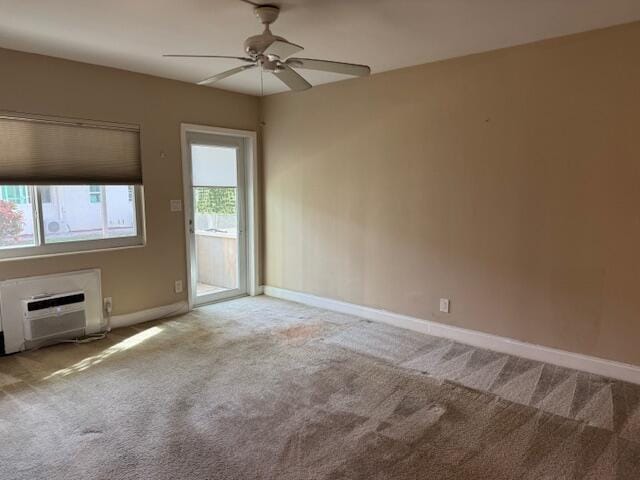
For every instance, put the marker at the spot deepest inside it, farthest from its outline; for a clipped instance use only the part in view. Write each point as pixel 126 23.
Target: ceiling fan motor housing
pixel 257 44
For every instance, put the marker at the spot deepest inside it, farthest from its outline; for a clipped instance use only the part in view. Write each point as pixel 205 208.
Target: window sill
pixel 74 252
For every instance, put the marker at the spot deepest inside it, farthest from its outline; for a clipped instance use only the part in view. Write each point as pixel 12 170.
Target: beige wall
pixel 507 181
pixel 137 278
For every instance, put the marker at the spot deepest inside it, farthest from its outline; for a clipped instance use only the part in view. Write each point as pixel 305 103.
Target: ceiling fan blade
pixel 292 79
pixel 282 49
pixel 244 59
pixel 226 74
pixel 327 66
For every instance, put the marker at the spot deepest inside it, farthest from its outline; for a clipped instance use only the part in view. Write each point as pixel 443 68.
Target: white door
pixel 216 217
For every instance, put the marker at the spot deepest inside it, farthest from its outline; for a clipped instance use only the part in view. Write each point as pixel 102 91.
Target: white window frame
pixel 44 249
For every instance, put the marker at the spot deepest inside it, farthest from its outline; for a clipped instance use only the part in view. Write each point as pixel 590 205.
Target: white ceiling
pixel 385 34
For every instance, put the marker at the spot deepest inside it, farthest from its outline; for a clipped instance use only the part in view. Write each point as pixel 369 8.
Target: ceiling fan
pixel 273 53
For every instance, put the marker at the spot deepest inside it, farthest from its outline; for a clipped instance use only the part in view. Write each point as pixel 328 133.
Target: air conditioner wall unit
pixel 54 316
pixel 35 311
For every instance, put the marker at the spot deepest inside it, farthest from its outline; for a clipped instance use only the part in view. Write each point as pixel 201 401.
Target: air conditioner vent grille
pixel 53 326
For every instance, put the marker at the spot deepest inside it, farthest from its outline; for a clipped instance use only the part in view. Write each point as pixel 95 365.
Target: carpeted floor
pixel 259 388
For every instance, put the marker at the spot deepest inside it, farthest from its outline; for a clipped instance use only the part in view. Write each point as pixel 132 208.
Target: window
pixel 68 185
pixel 16 218
pixel 45 194
pixel 36 220
pixel 18 194
pixel 95 193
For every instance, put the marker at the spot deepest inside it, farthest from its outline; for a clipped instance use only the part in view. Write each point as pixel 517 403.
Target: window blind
pixel 53 152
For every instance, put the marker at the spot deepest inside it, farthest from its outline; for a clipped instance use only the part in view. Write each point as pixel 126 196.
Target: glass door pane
pixel 216 221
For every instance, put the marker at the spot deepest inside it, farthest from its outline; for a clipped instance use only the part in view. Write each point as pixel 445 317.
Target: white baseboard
pixel 575 361
pixel 142 316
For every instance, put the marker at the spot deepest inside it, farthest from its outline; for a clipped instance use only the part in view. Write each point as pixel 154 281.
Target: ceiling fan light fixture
pixel 269 65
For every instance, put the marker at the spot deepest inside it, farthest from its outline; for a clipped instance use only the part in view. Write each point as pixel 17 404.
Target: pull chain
pixel 261 83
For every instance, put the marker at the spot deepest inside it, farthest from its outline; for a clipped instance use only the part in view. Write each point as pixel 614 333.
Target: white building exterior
pixel 79 209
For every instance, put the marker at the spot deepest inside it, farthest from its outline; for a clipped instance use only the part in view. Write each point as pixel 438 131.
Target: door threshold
pixel 219 300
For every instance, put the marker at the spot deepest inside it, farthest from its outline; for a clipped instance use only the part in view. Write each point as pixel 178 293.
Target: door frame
pixel 251 201
pixel 238 145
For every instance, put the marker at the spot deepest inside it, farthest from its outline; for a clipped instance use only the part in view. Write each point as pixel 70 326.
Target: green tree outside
pixel 216 200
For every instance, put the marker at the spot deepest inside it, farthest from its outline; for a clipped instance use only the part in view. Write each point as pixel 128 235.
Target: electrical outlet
pixel 178 286
pixel 107 303
pixel 444 305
